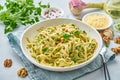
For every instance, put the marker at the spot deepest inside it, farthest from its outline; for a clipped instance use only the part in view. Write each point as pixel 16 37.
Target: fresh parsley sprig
pixel 24 12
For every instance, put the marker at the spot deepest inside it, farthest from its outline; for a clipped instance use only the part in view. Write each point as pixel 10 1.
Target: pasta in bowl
pixel 61 44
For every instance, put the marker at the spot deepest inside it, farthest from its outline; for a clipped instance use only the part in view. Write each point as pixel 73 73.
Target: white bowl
pixel 110 21
pixel 32 31
pixel 48 13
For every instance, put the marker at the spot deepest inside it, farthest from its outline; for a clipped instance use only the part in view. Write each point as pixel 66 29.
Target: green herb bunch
pixel 15 12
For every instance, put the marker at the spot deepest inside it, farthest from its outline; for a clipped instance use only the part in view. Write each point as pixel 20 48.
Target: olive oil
pixel 112 8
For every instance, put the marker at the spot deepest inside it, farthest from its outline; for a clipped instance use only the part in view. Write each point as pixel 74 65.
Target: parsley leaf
pixel 20 12
pixel 45 49
pixel 44 6
pixel 76 33
pixel 66 36
pixel 1 7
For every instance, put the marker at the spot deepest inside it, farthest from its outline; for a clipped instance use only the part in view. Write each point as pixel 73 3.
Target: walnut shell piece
pixel 7 62
pixel 22 72
pixel 109 33
pixel 78 18
pixel 117 40
pixel 106 39
pixel 116 50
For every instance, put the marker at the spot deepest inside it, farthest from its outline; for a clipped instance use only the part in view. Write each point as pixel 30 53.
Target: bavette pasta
pixel 61 46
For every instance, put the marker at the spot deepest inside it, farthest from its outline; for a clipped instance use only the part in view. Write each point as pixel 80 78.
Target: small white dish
pixel 110 21
pixel 51 13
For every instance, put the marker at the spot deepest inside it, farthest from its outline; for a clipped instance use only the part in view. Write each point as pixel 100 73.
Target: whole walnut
pixel 117 40
pixel 116 50
pixel 22 72
pixel 8 62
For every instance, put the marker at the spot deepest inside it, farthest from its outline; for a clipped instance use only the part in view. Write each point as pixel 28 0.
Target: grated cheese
pixel 97 20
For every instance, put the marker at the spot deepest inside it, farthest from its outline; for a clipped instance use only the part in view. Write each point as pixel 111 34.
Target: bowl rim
pixel 110 21
pixel 60 69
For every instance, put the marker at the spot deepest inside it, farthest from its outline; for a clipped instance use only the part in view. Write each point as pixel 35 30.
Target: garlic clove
pixel 76 6
pixel 74 10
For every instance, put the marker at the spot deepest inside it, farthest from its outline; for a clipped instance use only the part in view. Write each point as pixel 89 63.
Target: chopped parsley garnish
pixel 76 33
pixel 73 58
pixel 66 36
pixel 45 49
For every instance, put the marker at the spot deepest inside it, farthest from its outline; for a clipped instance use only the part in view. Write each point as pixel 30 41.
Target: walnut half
pixel 22 72
pixel 116 50
pixel 117 40
pixel 8 62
